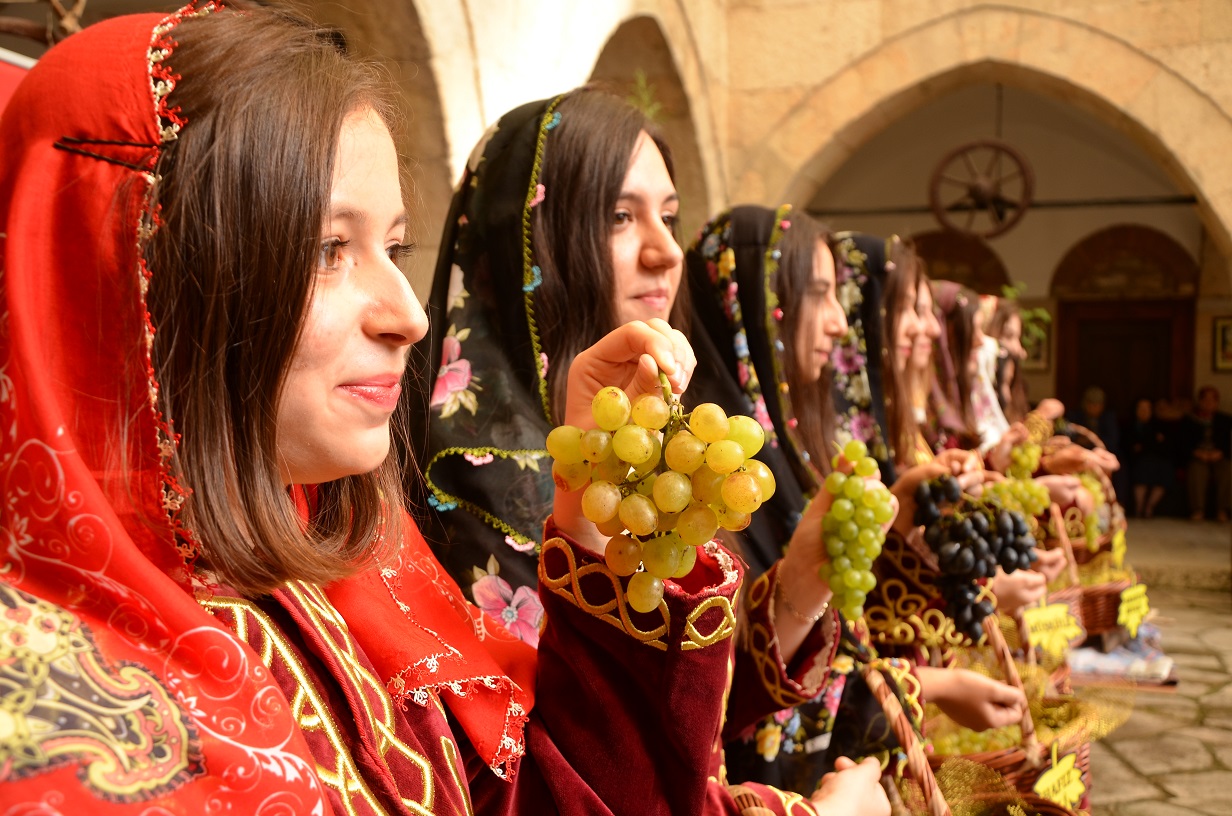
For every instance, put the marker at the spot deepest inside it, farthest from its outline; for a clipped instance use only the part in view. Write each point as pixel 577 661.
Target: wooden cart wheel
pixel 981 188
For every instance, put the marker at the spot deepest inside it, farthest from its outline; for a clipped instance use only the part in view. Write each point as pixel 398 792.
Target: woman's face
pixel 822 319
pixel 646 260
pixel 343 382
pixel 929 328
pixel 908 330
pixel 1011 337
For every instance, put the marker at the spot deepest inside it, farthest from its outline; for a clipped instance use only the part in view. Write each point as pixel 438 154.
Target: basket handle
pixel 917 762
pixel 1030 742
pixel 1059 525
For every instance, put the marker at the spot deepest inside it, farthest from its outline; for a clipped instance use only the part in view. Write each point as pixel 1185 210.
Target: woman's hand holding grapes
pixel 630 358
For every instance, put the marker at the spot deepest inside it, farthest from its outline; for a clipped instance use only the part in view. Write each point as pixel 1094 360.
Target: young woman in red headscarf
pixel 209 599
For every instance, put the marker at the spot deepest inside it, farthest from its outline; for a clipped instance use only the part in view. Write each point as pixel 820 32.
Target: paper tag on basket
pixel 1062 783
pixel 1133 609
pixel 1118 549
pixel 1051 628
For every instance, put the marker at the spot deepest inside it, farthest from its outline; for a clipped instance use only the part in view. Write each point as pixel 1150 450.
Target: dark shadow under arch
pixel 1125 262
pixel 638 45
pixel 950 255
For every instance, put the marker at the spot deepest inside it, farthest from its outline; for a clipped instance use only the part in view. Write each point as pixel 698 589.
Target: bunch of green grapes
pixel 660 483
pixel 852 529
pixel 1090 522
pixel 1026 496
pixel 965 741
pixel 1024 461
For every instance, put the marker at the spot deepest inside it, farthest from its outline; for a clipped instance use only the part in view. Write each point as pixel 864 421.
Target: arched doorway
pixel 394 34
pixel 636 63
pixel 962 258
pixel 1125 317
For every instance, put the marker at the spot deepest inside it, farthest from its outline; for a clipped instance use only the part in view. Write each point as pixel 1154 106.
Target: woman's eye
pixel 622 217
pixel 331 253
pixel 397 252
pixel 669 220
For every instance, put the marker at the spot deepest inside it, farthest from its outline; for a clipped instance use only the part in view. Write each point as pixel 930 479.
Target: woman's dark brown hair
pixel 1011 389
pixel 958 306
pixel 904 276
pixel 810 401
pixel 584 168
pixel 243 193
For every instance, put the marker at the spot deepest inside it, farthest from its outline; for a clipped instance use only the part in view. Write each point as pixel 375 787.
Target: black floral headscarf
pixel 480 438
pixel 860 356
pixel 732 269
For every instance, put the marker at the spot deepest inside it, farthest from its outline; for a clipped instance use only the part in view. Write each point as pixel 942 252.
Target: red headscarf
pixel 91 553
pixel 121 690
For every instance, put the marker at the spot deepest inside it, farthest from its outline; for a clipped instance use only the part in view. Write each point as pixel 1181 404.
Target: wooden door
pixel 1131 349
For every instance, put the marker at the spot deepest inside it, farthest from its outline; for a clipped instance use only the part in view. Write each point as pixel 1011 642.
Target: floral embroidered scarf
pixel 731 269
pixel 480 439
pixel 861 354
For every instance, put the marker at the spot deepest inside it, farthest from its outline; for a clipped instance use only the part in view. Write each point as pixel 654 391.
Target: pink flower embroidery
pixel 762 415
pixel 477 460
pixel 518 611
pixel 453 381
pixel 539 194
pixel 519 546
pixel 862 427
pixel 848 360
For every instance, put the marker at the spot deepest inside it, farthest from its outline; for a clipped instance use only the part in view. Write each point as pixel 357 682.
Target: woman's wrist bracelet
pixel 800 616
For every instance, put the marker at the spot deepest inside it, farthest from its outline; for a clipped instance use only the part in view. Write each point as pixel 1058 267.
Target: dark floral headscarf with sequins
pixel 480 438
pixel 860 356
pixel 732 268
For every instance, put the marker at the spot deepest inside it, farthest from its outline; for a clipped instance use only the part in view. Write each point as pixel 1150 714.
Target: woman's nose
pixel 660 249
pixel 395 315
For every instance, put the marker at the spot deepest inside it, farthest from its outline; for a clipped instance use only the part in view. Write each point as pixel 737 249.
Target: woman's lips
pixel 655 301
pixel 382 394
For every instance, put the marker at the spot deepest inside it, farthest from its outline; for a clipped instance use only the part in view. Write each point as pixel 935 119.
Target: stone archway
pixel 1046 53
pixel 636 62
pixel 950 255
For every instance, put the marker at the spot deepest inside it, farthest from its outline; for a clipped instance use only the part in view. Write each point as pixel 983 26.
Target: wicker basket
pixel 1022 765
pixel 1101 604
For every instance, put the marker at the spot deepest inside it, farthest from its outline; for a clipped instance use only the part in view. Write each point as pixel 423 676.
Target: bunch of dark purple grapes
pixel 970 538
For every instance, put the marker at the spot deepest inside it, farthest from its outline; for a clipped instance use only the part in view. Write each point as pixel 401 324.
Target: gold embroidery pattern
pixel 725 628
pixel 371 690
pixel 899 611
pixel 311 712
pixel 614 611
pixel 908 684
pixel 455 766
pixel 60 704
pixel 758 641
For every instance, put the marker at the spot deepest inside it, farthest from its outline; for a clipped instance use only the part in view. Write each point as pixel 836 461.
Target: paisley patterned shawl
pixel 118 687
